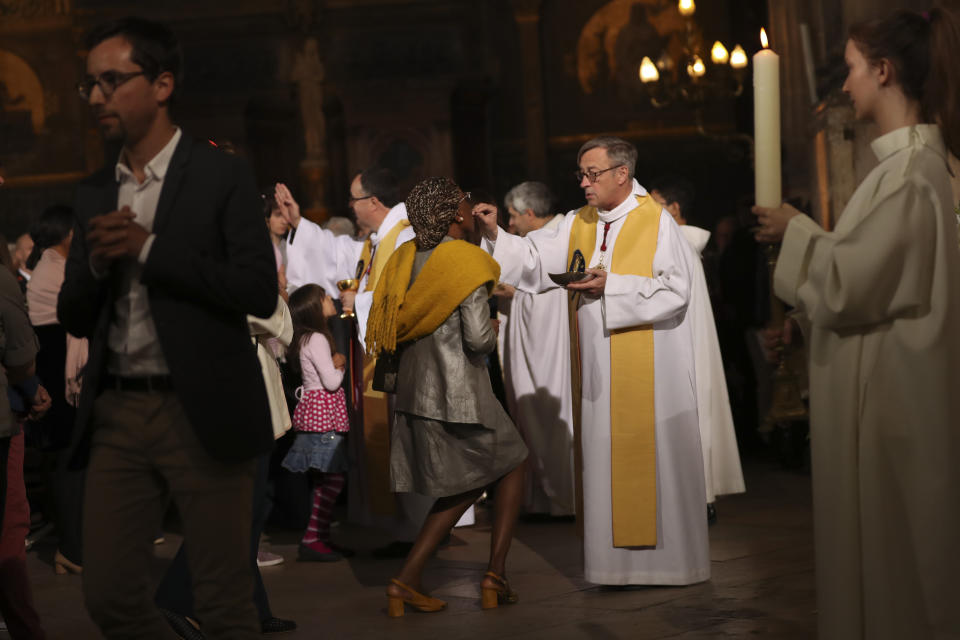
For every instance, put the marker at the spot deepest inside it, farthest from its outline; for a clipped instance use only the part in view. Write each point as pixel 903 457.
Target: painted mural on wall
pixel 597 78
pixel 22 114
pixel 619 34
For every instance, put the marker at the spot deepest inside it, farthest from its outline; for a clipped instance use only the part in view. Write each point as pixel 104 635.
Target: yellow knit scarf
pixel 402 312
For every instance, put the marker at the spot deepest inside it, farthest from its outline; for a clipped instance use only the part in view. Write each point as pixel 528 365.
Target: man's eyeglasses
pixel 592 176
pixel 353 200
pixel 467 196
pixel 108 81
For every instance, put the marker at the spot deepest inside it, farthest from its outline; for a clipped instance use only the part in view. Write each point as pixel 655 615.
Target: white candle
pixel 766 125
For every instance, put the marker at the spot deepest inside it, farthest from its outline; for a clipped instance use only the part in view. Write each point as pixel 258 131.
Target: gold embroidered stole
pixel 381 256
pixel 377 416
pixel 633 459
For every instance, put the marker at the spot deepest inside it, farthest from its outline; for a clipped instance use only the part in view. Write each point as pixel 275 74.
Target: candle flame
pixel 687 7
pixel 763 38
pixel 648 71
pixel 738 58
pixel 696 68
pixel 719 53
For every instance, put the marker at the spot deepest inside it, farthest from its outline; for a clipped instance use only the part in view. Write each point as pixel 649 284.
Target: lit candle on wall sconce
pixel 696 68
pixel 648 71
pixel 719 53
pixel 687 7
pixel 766 125
pixel 738 58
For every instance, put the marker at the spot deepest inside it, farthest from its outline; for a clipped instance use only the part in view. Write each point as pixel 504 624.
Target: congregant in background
pixel 536 366
pixel 721 458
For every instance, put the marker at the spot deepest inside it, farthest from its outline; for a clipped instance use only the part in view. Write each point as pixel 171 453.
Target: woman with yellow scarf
pixel 451 438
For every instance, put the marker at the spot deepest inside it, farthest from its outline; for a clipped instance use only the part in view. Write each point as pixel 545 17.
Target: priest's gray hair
pixel 535 196
pixel 618 150
pixel 340 226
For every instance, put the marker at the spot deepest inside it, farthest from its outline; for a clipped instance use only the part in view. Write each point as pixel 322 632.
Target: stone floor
pixel 762 584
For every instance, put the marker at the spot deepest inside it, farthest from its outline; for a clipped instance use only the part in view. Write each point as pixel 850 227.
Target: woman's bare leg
pixel 506 509
pixel 444 514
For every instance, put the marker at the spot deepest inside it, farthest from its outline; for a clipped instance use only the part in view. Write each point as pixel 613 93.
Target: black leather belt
pixel 138 383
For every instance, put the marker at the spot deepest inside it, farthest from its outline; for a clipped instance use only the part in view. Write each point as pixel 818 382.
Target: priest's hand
pixel 486 217
pixel 289 208
pixel 504 291
pixel 592 286
pixel 773 222
pixel 347 298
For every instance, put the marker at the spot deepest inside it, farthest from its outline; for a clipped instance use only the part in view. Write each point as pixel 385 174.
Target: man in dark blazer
pixel 169 256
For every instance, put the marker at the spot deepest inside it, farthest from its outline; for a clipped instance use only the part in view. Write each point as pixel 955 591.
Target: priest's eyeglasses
pixel 353 200
pixel 108 81
pixel 593 176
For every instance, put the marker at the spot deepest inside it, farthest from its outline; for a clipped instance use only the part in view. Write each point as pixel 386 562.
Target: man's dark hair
pixel 676 189
pixel 382 183
pixel 155 48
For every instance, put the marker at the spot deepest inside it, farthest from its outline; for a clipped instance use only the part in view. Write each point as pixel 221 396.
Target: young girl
pixel 320 418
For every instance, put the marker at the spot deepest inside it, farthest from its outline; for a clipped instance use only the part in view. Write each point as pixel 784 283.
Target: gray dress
pixel 451 434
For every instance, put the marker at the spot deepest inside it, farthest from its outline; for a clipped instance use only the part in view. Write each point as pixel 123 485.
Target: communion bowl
pixel 563 279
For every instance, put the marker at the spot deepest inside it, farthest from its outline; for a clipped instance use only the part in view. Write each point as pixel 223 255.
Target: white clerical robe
pixel 681 555
pixel 537 380
pixel 881 296
pixel 721 458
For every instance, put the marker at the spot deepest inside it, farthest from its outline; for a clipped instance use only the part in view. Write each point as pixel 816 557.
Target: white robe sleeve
pixel 316 255
pixel 278 326
pixel 880 270
pixel 629 300
pixel 525 262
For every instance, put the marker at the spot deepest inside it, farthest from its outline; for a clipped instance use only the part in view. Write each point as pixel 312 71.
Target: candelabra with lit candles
pixel 693 80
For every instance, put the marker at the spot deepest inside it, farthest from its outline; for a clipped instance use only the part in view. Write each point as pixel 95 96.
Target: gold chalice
pixel 350 284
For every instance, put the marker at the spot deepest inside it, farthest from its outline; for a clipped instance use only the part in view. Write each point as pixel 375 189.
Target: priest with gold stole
pixel 641 496
pixel 316 255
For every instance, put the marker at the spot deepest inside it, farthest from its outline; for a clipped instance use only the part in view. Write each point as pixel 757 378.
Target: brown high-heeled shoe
pixel 62 566
pixel 420 602
pixel 495 591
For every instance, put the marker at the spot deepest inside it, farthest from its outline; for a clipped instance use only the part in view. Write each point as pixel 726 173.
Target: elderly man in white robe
pixel 536 373
pixel 642 467
pixel 317 255
pixel 721 458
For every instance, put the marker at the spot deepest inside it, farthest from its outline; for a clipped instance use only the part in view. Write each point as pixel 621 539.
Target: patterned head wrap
pixel 432 207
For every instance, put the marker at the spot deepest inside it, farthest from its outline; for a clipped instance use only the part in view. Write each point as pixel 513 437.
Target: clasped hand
pixel 114 235
pixel 40 405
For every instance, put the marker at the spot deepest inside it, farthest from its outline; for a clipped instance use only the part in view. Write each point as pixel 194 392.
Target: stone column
pixel 527 15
